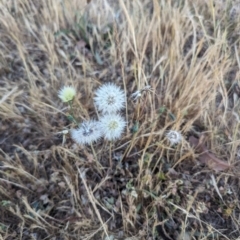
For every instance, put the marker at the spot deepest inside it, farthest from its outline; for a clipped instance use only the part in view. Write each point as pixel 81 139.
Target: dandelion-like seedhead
pixel 136 95
pixel 109 98
pixel 174 137
pixel 88 132
pixel 67 93
pixel 112 126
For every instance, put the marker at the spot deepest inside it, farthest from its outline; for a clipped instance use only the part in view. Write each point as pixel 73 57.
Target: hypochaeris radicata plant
pixel 67 93
pixel 88 132
pixel 174 137
pixel 109 100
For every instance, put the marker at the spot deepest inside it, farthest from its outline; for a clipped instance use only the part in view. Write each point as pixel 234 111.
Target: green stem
pixel 94 153
pixel 70 103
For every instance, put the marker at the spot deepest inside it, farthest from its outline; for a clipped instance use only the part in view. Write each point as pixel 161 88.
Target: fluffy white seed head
pixel 136 95
pixel 112 126
pixel 67 93
pixel 174 137
pixel 109 98
pixel 88 132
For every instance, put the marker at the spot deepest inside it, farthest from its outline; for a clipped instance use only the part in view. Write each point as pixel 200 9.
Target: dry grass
pixel 189 54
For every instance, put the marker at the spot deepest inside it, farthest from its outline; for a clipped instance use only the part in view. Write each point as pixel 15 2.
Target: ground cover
pixel 178 65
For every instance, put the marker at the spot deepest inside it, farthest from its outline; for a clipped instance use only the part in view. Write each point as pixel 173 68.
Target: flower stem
pixel 70 103
pixel 110 154
pixel 95 159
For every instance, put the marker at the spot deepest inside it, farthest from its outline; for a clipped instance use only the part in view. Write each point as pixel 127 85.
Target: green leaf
pixel 172 116
pixel 161 176
pixel 5 203
pixel 98 58
pixel 70 118
pixel 162 110
pixel 135 127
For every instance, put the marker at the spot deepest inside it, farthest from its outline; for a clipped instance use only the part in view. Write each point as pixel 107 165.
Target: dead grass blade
pixel 92 200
